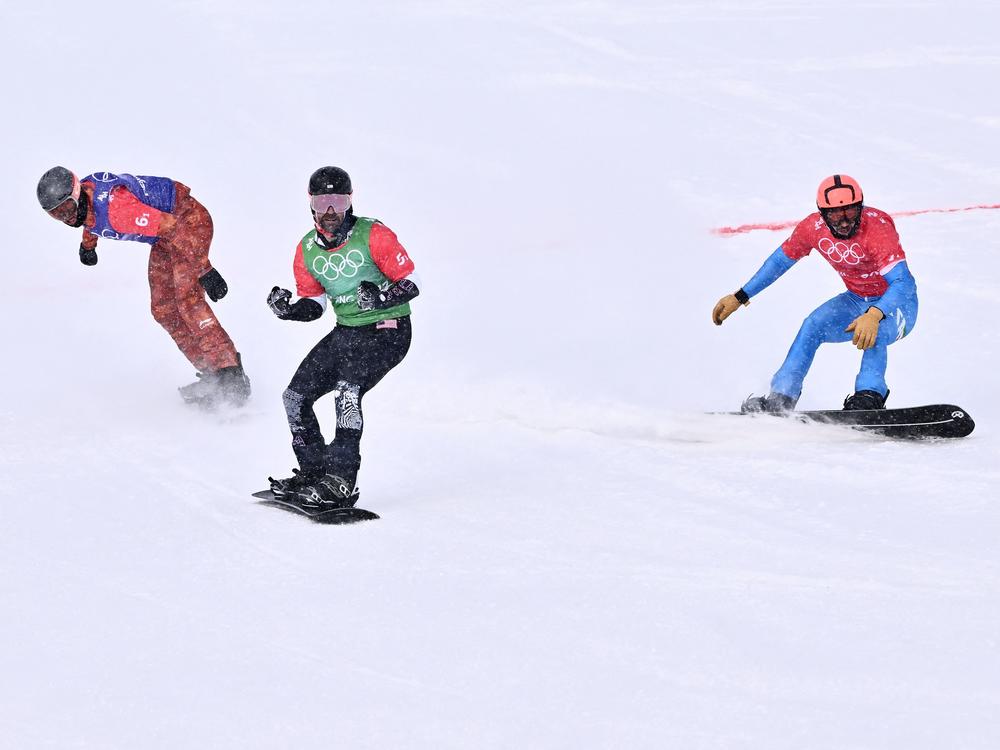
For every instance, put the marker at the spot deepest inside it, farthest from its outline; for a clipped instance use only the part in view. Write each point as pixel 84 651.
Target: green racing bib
pixel 340 271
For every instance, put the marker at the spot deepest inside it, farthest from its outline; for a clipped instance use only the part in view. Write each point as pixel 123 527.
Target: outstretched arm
pixel 774 267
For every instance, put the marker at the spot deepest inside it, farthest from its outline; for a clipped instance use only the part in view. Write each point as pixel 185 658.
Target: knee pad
pixel 293 401
pixel 349 406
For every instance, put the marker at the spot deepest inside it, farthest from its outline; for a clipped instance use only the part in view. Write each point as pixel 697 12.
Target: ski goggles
pixel 851 213
pixel 337 201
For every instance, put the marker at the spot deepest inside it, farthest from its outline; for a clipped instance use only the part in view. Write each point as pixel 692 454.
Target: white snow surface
pixel 572 553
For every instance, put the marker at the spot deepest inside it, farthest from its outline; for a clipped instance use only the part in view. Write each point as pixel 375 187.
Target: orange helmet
pixel 838 190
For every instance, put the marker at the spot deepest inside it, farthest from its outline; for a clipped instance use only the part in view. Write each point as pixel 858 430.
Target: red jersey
pixel 861 260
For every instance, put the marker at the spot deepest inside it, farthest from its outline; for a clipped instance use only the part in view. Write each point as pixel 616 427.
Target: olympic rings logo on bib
pixel 336 266
pixel 839 252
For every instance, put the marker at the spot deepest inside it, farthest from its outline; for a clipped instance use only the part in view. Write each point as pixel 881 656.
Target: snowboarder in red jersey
pixel 879 308
pixel 162 213
pixel 359 265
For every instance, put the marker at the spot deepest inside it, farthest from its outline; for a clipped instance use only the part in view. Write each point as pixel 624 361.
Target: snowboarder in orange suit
pixel 162 213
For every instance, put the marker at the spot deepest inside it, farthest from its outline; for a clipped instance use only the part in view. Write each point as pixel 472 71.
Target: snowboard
pixel 316 515
pixel 910 423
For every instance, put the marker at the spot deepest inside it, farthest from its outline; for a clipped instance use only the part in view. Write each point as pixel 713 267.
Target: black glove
pixel 88 257
pixel 214 284
pixel 277 300
pixel 303 311
pixel 370 297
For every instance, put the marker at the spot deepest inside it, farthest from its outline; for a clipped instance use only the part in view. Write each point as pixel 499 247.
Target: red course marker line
pixel 778 226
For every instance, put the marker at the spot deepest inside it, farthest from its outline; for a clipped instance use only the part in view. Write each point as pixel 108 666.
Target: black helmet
pixel 56 186
pixel 329 180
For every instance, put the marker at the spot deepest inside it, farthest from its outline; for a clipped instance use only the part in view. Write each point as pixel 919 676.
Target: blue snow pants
pixel 826 324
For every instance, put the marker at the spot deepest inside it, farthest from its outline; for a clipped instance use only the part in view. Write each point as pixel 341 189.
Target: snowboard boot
pixel 864 400
pixel 227 385
pixel 232 384
pixel 330 491
pixel 200 390
pixel 773 403
pixel 291 485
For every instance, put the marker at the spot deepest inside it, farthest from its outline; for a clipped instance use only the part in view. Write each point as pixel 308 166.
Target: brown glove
pixel 725 307
pixel 865 328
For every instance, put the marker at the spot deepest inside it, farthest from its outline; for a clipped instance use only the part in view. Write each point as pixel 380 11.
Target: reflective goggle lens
pixel 338 202
pixel 839 214
pixel 65 210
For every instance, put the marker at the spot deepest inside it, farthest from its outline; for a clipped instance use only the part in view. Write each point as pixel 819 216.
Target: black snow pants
pixel 350 360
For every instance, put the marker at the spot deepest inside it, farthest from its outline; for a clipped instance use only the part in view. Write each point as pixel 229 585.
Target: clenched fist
pixel 277 300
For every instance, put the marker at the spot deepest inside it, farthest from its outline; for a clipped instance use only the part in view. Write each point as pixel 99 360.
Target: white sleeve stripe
pixel 415 278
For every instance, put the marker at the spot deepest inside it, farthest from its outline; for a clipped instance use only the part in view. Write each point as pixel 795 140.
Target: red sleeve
pixel 390 257
pixel 89 241
pixel 803 238
pixel 305 283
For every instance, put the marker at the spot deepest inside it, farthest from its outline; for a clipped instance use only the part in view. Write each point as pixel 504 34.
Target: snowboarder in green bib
pixel 359 265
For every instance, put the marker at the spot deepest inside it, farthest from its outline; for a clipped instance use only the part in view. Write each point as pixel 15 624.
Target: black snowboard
pixel 317 515
pixel 913 422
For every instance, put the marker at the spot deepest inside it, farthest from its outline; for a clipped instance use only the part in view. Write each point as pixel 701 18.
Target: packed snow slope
pixel 572 553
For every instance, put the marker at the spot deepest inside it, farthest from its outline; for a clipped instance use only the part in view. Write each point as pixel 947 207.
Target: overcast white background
pixel 571 553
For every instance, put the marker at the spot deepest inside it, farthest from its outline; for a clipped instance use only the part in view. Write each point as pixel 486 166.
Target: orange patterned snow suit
pixel 178 258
